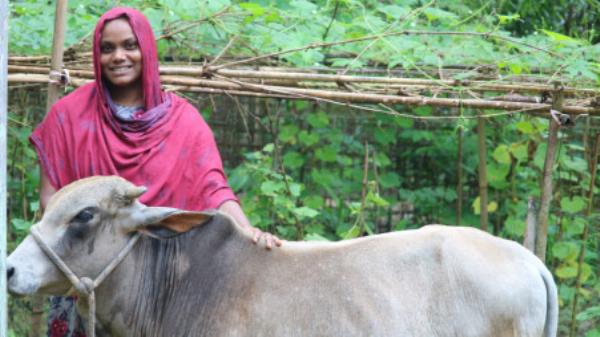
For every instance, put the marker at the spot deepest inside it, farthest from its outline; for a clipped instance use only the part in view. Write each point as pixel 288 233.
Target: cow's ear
pixel 183 221
pixel 167 222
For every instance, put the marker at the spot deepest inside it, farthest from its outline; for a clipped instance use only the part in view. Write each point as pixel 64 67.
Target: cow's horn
pixel 134 192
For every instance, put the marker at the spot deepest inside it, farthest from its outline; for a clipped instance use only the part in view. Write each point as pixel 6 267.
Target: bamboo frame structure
pixel 360 89
pixel 413 94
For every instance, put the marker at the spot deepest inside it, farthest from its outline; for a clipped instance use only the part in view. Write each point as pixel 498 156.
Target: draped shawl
pixel 168 147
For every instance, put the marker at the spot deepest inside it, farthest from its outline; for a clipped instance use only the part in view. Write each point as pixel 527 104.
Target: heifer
pixel 197 274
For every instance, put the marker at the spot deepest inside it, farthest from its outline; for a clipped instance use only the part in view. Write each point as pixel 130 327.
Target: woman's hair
pixel 147 45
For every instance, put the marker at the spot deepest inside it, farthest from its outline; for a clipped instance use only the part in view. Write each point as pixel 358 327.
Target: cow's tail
pixel 551 325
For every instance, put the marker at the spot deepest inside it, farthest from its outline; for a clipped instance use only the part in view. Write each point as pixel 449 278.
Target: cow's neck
pixel 163 277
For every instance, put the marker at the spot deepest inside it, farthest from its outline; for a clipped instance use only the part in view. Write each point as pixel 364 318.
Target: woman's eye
pixel 105 49
pixel 131 46
pixel 84 216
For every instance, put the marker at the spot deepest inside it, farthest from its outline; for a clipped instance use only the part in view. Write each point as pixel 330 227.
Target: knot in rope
pixel 85 286
pixel 61 78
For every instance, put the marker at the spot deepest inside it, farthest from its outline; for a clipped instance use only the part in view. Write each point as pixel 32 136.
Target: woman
pixel 123 124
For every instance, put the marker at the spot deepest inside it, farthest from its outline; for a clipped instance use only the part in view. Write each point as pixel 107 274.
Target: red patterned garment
pixel 167 147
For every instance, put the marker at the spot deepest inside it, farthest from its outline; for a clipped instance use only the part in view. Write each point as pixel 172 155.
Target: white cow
pixel 211 281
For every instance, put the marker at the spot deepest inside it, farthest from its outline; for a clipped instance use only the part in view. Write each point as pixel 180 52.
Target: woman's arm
pixel 46 189
pixel 234 210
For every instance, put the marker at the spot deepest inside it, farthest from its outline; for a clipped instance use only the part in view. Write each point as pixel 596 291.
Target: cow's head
pixel 86 223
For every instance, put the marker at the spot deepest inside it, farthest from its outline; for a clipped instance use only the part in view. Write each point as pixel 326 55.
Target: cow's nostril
pixel 10 272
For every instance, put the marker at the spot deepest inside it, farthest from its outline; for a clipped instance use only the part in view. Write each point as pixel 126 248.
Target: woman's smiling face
pixel 120 55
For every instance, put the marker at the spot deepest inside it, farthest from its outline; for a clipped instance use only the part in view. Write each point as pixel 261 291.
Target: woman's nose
pixel 119 54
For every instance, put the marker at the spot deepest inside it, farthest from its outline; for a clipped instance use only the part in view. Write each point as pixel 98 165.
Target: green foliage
pixel 310 181
pixel 271 26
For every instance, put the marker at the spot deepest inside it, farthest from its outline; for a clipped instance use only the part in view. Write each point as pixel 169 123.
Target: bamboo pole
pixel 232 86
pixel 530 227
pixel 541 235
pixel 3 149
pixel 584 238
pixel 58 43
pixel 54 90
pixel 296 76
pixel 459 187
pixel 483 197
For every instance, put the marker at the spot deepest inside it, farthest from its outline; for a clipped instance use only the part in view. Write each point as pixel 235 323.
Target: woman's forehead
pixel 117 30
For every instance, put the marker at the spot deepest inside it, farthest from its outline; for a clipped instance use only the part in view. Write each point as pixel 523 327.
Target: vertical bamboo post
pixel 3 149
pixel 54 90
pixel 541 235
pixel 483 197
pixel 530 227
pixel 58 45
pixel 459 188
pixel 584 238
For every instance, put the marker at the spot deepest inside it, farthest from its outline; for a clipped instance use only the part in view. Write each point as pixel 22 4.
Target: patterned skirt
pixel 63 320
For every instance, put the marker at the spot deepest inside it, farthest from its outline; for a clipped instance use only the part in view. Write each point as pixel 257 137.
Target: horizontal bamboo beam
pixel 338 96
pixel 487 86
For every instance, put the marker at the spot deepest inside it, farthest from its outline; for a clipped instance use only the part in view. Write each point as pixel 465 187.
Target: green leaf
pixel 526 127
pixel 305 212
pixel 293 160
pixel 318 120
pixel 314 201
pixel 308 138
pixel 268 148
pixel 315 237
pixel 519 151
pixel 271 187
pixel 576 164
pixel 34 206
pixel 351 233
pixel 405 123
pixel 382 160
pixel 502 154
pixel 595 332
pixel 514 226
pixel 566 271
pixel 20 224
pixel 253 8
pixel 385 136
pixel 497 174
pixel 287 134
pixel 238 179
pixel 506 19
pixel 389 180
pixel 565 251
pixel 423 110
pixel 295 189
pixel 572 205
pixel 393 11
pixel 326 153
pixel 557 37
pixel 376 199
pixel 576 226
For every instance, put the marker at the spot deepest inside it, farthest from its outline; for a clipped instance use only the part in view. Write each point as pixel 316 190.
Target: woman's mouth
pixel 119 70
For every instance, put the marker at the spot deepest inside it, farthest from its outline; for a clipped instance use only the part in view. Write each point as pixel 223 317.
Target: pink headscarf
pixel 147 45
pixel 168 148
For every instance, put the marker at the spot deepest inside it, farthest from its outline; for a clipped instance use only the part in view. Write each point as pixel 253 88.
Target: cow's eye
pixel 84 216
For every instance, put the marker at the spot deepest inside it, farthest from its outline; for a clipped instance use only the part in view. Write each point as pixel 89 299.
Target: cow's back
pixel 436 281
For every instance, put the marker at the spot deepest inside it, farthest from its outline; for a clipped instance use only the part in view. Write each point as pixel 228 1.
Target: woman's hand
pixel 235 211
pixel 270 239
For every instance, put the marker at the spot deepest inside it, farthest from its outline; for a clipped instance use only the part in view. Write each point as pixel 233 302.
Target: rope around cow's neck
pixel 85 285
